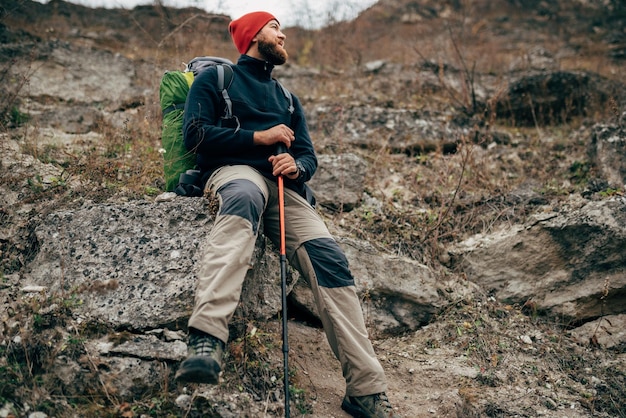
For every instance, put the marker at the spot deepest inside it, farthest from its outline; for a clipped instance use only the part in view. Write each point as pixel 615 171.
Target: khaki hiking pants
pixel 245 196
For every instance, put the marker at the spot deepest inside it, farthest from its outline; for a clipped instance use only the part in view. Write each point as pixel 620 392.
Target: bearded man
pixel 238 162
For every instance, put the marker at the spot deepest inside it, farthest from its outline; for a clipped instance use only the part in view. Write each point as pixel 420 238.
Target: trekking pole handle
pixel 280 148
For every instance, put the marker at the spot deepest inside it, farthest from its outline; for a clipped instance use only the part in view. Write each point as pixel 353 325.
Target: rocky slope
pixel 472 165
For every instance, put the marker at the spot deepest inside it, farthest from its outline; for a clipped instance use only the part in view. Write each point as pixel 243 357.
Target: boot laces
pixel 382 400
pixel 203 345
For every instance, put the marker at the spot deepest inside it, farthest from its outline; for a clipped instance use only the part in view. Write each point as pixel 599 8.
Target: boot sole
pixel 199 369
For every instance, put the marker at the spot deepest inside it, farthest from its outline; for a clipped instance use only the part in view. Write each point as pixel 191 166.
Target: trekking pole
pixel 281 148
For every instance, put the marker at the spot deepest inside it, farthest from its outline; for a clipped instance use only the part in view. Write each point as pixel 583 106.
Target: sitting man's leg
pixel 317 256
pixel 227 254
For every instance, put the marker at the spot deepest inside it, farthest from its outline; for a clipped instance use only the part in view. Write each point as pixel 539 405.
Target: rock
pixel 339 181
pixel 550 97
pixel 151 348
pixel 133 266
pixel 117 260
pixel 570 265
pixel 606 150
pixel 607 332
pixel 374 66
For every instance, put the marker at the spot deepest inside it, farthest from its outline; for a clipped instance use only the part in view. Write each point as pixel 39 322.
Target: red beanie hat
pixel 245 28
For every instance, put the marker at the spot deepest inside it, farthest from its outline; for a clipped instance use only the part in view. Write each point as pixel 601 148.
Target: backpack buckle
pixel 189 184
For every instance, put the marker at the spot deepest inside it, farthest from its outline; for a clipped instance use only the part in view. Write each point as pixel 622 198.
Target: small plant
pixel 580 171
pixel 610 192
pixel 14 75
pixel 299 397
pixel 17 118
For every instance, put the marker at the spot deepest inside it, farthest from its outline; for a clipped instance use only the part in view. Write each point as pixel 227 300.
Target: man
pixel 237 159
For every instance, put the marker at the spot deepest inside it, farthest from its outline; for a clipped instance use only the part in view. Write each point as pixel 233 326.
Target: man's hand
pixel 284 164
pixel 279 133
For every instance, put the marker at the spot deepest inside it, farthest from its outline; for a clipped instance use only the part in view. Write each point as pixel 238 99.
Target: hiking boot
pixel 370 406
pixel 204 359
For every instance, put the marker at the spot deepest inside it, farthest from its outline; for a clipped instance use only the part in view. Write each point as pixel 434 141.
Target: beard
pixel 274 54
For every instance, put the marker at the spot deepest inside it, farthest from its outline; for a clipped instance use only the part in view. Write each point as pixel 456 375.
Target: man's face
pixel 271 43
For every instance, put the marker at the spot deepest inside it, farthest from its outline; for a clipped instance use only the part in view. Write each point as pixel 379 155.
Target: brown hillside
pixel 470 116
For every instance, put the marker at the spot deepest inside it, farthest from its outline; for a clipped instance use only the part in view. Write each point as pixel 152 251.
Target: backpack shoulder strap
pixel 224 80
pixel 287 94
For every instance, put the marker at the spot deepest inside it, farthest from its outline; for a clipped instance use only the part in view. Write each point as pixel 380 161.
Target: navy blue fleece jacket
pixel 258 103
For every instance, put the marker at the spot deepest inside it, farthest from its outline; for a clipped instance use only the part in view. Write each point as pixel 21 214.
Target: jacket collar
pixel 256 66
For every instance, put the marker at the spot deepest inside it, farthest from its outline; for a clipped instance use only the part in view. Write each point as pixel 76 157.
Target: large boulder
pixel 550 97
pixel 570 265
pixel 133 266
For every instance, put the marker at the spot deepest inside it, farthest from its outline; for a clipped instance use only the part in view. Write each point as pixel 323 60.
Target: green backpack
pixel 179 164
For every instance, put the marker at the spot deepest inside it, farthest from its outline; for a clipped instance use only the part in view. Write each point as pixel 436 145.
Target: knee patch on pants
pixel 329 262
pixel 242 198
